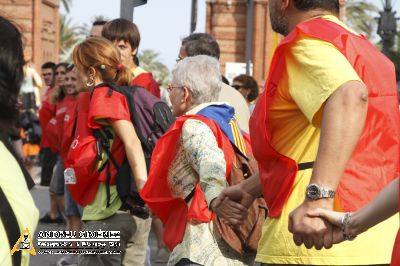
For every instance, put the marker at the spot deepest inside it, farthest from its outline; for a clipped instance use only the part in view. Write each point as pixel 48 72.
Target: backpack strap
pixel 103 142
pixel 163 117
pixel 10 222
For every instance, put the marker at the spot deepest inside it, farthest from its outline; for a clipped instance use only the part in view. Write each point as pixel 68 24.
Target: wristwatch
pixel 315 192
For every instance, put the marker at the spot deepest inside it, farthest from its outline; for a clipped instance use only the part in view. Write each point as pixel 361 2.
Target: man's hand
pixel 230 212
pixel 237 194
pixel 333 218
pixel 311 231
pixel 232 204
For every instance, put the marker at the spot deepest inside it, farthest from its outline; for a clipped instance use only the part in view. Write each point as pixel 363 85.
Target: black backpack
pixel 29 122
pixel 151 118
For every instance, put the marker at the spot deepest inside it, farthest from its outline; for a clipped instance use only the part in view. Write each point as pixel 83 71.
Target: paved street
pixel 41 197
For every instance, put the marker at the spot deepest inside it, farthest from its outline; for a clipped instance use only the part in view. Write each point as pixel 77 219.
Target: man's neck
pixel 304 16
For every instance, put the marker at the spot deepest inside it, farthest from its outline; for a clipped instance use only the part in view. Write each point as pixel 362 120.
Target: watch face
pixel 313 192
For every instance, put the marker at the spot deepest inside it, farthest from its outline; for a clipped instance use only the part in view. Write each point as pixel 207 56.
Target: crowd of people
pixel 222 174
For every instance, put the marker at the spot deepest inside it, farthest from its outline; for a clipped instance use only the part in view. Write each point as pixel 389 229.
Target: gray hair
pixel 201 75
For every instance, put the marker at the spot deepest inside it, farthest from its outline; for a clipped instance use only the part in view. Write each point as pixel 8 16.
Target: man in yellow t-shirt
pixel 322 100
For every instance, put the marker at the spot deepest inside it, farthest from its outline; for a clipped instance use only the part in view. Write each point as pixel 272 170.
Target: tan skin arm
pixel 133 148
pixel 342 123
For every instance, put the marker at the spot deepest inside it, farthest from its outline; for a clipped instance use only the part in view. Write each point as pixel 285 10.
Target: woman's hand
pixel 334 218
pixel 231 212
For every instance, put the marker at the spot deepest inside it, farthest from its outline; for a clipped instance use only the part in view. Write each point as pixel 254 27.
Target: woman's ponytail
pixel 123 76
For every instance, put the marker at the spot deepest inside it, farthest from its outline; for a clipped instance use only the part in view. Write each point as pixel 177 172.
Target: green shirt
pixel 98 210
pixel 13 184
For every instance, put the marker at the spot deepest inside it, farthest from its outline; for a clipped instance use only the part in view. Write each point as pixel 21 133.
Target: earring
pixel 90 82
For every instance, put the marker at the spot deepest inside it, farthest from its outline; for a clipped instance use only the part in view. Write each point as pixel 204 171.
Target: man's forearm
pixel 342 124
pixel 252 185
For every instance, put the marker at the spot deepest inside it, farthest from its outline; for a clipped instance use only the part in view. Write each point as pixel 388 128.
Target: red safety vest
pixel 69 124
pixel 55 127
pixel 82 155
pixel 396 248
pixel 375 160
pixel 174 212
pixel 147 81
pixel 46 112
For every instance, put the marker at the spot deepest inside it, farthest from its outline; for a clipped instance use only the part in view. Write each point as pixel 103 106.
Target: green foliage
pixel 360 16
pixel 148 60
pixel 68 38
pixel 71 34
pixel 66 4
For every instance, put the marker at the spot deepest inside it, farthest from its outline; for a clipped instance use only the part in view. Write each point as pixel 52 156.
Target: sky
pixel 162 23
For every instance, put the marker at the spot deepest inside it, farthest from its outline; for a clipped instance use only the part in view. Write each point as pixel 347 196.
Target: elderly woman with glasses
pixel 190 167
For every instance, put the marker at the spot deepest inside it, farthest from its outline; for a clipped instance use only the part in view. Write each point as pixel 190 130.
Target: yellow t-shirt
pixel 13 184
pixel 315 69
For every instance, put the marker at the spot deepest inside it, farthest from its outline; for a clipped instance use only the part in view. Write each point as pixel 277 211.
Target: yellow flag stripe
pixel 239 141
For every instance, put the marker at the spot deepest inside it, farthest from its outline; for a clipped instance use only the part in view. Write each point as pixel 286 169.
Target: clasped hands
pixel 232 205
pixel 314 224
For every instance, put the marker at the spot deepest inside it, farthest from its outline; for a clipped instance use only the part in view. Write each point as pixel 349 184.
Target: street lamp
pixel 127 7
pixel 387 27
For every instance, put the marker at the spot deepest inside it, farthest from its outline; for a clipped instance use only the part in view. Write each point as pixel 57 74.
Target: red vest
pixel 68 126
pixel 147 81
pixel 396 248
pixel 55 127
pixel 174 212
pixel 46 112
pixel 82 156
pixel 375 160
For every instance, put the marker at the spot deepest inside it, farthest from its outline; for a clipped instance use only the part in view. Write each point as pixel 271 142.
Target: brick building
pixel 39 22
pixel 227 20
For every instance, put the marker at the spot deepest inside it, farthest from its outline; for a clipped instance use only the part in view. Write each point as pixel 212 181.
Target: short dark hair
pixel 99 23
pixel 49 65
pixel 62 64
pixel 11 72
pixel 57 97
pixel 201 44
pixel 248 82
pixel 329 5
pixel 122 29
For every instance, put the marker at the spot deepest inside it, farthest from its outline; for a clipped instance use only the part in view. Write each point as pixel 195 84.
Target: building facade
pixel 39 23
pixel 226 20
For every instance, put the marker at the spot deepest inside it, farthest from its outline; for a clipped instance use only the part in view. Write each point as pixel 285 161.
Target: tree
pixel 84 29
pixel 68 38
pixel 360 16
pixel 66 4
pixel 148 59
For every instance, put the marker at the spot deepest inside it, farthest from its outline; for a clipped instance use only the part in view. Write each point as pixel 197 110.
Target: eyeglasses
pixel 178 59
pixel 236 87
pixel 170 87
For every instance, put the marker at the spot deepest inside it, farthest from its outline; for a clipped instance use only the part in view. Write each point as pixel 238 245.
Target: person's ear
pixel 91 72
pixel 284 5
pixel 186 94
pixel 134 52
